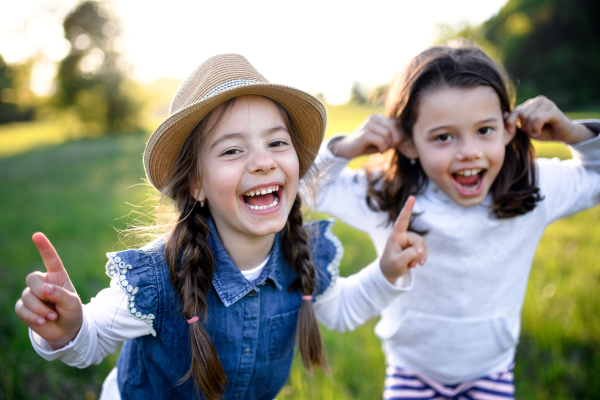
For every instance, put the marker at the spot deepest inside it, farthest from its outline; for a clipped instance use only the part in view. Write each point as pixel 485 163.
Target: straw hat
pixel 215 81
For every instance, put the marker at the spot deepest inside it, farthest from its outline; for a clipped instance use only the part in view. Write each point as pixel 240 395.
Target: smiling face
pixel 460 139
pixel 250 170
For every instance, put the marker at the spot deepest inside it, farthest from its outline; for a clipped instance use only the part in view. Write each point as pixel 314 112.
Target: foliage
pixel 357 93
pixel 551 47
pixel 92 81
pixel 11 109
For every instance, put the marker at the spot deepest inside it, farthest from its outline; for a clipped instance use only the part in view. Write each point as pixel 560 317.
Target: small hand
pixel 403 249
pixel 541 119
pixel 376 134
pixel 49 305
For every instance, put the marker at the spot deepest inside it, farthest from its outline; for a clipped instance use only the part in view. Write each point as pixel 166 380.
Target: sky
pixel 317 46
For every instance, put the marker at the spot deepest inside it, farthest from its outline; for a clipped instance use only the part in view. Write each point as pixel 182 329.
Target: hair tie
pixel 308 297
pixel 190 321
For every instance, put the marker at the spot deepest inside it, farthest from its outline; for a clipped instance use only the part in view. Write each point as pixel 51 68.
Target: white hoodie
pixel 461 320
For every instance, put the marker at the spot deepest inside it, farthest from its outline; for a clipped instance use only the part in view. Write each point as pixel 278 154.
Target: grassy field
pixel 76 192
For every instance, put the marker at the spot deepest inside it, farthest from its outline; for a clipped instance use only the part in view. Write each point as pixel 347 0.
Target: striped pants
pixel 407 385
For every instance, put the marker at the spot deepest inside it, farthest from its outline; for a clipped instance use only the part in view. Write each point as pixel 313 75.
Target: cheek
pixel 496 155
pixel 435 162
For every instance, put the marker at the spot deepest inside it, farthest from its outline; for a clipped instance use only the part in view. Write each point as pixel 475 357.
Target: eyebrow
pixel 240 135
pixel 483 121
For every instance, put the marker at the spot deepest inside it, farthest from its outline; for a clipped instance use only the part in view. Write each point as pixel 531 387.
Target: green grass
pixel 73 191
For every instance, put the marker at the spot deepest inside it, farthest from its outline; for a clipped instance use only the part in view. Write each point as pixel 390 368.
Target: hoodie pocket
pixel 452 346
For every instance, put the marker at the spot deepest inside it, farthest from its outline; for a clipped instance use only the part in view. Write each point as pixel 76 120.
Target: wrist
pixel 59 344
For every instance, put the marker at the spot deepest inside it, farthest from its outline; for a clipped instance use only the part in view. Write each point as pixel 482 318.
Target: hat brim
pixel 306 112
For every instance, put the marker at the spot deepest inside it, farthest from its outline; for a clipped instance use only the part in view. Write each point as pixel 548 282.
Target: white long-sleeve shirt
pixel 461 320
pixel 345 305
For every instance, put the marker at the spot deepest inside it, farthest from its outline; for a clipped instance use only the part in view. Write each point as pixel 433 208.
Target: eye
pixel 278 143
pixel 444 137
pixel 231 152
pixel 486 130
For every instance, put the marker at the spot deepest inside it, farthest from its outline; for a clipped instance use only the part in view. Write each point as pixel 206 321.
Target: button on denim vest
pixel 252 325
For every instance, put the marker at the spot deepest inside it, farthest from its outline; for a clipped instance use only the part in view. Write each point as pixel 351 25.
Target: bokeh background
pixel 84 83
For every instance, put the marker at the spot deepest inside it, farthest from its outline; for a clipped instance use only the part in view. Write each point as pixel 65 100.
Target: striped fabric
pixel 407 385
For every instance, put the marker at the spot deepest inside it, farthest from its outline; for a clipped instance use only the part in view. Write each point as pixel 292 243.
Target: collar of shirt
pixel 229 282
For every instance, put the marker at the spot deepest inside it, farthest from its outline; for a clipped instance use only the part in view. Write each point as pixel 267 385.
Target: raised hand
pixel 403 249
pixel 541 119
pixel 49 305
pixel 376 134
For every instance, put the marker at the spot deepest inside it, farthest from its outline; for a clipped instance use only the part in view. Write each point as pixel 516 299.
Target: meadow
pixel 80 191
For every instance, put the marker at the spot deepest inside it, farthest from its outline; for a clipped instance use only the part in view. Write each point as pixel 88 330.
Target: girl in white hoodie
pixel 450 138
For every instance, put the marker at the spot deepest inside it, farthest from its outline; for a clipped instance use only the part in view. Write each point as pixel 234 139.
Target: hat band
pixel 228 85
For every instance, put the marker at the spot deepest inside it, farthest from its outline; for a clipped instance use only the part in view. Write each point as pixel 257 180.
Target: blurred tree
pixel 91 79
pixel 378 95
pixel 551 47
pixel 11 109
pixel 357 93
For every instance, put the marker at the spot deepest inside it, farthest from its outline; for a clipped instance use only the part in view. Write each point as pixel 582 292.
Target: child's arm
pixel 376 134
pixel 542 120
pixel 354 300
pixel 49 305
pixel 568 186
pixel 103 324
pixel 342 191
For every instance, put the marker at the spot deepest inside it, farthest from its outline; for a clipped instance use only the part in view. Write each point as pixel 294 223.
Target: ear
pixel 508 135
pixel 407 148
pixel 198 194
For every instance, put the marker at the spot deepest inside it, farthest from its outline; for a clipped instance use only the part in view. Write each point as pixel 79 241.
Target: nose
pixel 468 152
pixel 261 162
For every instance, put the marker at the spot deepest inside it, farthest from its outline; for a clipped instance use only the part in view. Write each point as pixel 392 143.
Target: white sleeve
pixel 106 324
pixel 355 299
pixel 571 186
pixel 343 192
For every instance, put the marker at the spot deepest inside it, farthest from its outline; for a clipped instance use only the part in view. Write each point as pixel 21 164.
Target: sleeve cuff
pixel 325 151
pixel 588 151
pixel 75 346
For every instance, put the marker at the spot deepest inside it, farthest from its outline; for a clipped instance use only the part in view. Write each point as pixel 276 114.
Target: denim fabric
pixel 252 325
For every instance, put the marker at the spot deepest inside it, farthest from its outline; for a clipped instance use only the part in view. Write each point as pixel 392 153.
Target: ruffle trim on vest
pixel 116 269
pixel 334 266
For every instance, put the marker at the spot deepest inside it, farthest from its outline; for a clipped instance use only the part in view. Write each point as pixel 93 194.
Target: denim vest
pixel 251 325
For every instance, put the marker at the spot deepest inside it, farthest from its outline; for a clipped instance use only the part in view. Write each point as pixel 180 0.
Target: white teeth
pixel 266 190
pixel 469 172
pixel 273 204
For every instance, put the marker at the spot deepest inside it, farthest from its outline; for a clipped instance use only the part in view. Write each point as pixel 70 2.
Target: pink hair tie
pixel 190 321
pixel 309 297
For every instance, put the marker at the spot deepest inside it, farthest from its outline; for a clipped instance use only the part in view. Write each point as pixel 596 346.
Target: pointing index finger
pixel 49 255
pixel 401 224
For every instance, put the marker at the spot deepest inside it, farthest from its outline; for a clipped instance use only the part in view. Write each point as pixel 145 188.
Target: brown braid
pixel 191 267
pixel 295 250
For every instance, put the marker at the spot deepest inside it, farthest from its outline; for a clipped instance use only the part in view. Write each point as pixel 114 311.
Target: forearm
pixel 106 324
pixel 355 299
pixel 588 151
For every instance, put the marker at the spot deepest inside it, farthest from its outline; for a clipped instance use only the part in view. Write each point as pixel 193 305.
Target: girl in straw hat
pixel 222 297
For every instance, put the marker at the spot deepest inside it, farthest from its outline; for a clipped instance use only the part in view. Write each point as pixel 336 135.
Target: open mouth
pixel 262 198
pixel 469 181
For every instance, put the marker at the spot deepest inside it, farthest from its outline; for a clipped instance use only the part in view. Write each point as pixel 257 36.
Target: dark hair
pixel 459 64
pixel 192 274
